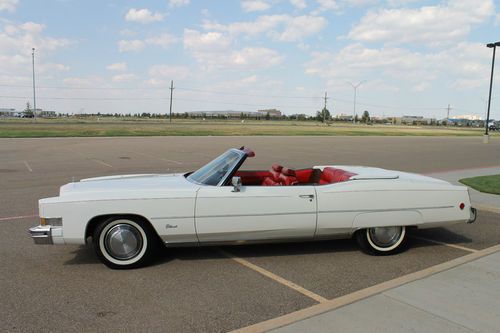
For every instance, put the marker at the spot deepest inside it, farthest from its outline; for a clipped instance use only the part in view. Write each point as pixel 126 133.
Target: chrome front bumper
pixel 41 234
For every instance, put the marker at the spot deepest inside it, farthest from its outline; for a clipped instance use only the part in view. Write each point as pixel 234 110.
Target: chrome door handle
pixel 308 196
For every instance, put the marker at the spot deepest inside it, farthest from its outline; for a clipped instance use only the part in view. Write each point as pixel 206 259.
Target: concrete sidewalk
pixel 465 298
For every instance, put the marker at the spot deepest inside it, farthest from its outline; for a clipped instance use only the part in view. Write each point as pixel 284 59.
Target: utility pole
pixel 34 94
pixel 494 46
pixel 448 115
pixel 171 94
pixel 324 110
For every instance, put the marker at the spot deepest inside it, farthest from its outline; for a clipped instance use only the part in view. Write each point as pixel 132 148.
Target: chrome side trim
pixel 41 234
pixel 251 215
pixel 381 210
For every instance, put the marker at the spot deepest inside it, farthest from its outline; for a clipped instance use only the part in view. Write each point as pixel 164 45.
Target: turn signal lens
pixel 462 205
pixel 43 221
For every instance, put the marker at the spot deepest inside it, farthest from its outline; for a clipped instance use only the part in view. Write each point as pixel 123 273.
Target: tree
pixel 28 112
pixel 356 119
pixel 323 115
pixel 268 116
pixel 365 118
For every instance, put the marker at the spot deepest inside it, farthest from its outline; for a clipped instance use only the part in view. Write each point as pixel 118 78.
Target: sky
pixel 407 57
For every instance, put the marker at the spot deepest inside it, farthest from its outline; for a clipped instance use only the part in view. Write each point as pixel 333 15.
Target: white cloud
pixel 465 62
pixel 213 50
pixel 254 5
pixel 178 3
pixel 278 27
pixel 164 40
pixel 299 4
pixel 127 77
pixel 8 5
pixel 130 45
pixel 431 25
pixel 158 72
pixel 117 66
pixel 143 16
pixel 328 5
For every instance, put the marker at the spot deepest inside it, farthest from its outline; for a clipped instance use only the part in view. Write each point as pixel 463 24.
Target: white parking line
pixel 463 248
pixel 16 217
pixel 28 166
pixel 275 277
pixel 90 158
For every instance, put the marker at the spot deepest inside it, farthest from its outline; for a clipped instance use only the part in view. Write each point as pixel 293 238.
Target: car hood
pixel 126 185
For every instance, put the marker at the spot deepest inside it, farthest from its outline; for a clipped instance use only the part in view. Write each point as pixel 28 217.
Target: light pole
pixel 355 87
pixel 34 95
pixel 494 46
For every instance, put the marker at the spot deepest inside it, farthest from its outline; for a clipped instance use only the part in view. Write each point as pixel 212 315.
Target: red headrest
pixel 288 172
pixel 276 167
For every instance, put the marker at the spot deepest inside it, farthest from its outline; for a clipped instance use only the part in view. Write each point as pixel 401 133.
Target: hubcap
pixel 123 241
pixel 385 236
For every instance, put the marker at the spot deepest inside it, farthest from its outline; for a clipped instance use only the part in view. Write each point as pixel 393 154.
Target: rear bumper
pixel 473 215
pixel 41 234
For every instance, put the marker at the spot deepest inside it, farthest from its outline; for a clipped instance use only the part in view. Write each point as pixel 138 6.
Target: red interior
pixel 279 175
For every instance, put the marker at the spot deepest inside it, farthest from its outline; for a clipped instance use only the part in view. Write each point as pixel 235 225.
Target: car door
pixel 255 213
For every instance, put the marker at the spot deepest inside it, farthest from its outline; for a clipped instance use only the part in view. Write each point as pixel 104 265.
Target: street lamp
pixel 355 87
pixel 34 95
pixel 494 46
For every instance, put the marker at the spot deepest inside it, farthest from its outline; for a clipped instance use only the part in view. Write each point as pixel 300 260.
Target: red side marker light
pixel 462 205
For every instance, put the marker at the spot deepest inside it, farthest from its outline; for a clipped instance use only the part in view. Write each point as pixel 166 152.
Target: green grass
pixel 487 184
pixel 74 127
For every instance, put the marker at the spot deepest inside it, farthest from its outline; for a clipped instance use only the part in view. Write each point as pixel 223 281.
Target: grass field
pixel 25 128
pixel 487 184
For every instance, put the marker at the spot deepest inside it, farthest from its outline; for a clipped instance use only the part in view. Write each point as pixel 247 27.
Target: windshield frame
pixel 228 174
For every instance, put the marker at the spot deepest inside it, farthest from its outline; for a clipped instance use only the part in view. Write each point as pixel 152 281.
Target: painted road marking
pixel 17 217
pixel 363 293
pixel 90 158
pixel 28 166
pixel 274 277
pixel 156 157
pixel 463 248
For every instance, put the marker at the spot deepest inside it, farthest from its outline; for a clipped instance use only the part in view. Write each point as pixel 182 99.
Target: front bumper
pixel 41 234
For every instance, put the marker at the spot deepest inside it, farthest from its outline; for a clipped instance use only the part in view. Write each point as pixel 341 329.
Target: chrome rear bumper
pixel 473 215
pixel 41 234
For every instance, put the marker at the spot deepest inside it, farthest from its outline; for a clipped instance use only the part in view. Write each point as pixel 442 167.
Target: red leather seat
pixel 270 182
pixel 288 177
pixel 276 172
pixel 333 175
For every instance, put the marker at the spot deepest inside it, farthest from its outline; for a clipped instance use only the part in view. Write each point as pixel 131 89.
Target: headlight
pixel 55 221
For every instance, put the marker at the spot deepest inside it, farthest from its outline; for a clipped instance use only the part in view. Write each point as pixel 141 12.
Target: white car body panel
pixel 186 213
pixel 255 213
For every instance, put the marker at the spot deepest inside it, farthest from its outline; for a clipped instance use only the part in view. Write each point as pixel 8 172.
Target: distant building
pixel 271 112
pixel 343 117
pixel 5 112
pixel 45 113
pixel 414 120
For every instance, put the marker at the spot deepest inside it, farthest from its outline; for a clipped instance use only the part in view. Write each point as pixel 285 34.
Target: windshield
pixel 215 171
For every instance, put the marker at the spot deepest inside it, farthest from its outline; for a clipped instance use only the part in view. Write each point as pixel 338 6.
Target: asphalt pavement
pixel 65 288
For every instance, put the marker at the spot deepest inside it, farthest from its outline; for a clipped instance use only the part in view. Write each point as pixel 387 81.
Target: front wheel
pixel 121 242
pixel 382 240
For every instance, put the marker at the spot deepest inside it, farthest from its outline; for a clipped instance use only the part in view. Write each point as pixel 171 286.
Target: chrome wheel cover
pixel 385 237
pixel 123 241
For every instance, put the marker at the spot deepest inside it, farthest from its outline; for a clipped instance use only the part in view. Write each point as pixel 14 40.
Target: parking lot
pixel 212 289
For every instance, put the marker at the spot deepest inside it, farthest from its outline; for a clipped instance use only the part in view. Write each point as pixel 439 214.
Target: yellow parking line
pixel 463 248
pixel 275 277
pixel 341 301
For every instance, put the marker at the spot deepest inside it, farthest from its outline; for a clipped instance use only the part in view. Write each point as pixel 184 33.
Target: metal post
pixel 34 94
pixel 324 109
pixel 354 116
pixel 494 46
pixel 171 93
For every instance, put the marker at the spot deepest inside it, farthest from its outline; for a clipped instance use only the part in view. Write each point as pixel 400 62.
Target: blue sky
pixel 412 57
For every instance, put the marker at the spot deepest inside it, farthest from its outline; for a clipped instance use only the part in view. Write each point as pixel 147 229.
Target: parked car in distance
pixel 127 217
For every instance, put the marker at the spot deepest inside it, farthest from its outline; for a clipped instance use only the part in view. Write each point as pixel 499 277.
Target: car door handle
pixel 308 196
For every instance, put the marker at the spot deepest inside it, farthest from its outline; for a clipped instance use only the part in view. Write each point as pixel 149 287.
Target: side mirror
pixel 236 182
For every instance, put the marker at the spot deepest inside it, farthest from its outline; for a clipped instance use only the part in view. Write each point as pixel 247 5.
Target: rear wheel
pixel 123 242
pixel 382 240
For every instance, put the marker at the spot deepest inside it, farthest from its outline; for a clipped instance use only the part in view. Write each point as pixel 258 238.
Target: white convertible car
pixel 128 216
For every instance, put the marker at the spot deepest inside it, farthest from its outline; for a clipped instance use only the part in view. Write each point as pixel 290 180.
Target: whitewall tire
pixel 124 242
pixel 382 240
